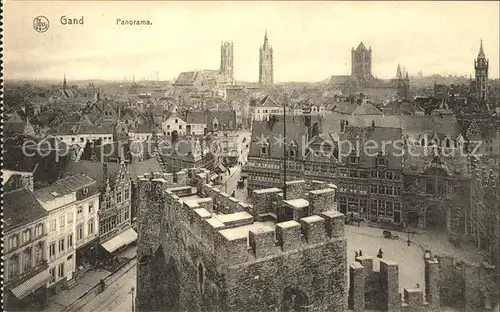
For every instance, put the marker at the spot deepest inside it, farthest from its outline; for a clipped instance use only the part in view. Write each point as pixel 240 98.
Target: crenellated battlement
pixel 379 290
pixel 235 232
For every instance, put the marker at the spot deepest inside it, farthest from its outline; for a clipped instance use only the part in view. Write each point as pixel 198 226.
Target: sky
pixel 311 40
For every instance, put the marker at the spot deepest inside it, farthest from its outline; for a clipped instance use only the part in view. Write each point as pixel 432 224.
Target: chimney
pixel 105 172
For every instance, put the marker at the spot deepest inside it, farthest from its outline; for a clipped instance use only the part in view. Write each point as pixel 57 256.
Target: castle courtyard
pixel 410 258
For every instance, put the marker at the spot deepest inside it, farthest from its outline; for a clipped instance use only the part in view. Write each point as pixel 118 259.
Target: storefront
pixel 32 292
pixel 120 241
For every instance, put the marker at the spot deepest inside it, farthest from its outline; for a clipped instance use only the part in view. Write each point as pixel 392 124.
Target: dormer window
pixel 292 149
pixel 264 150
pixel 353 158
pixel 343 125
pixel 381 160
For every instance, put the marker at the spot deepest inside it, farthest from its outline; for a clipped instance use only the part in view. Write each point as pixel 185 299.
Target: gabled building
pixel 114 185
pixel 264 108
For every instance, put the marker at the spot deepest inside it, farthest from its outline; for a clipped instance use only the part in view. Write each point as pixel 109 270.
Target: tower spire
pixel 64 82
pixel 481 51
pixel 399 75
pixel 265 38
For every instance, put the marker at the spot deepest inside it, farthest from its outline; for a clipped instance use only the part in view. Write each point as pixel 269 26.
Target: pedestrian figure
pixel 380 253
pixel 360 253
pixel 233 193
pixel 418 285
pixel 359 221
pixel 355 255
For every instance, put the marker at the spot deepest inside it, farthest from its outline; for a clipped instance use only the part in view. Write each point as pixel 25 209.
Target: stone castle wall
pixel 460 285
pixel 194 256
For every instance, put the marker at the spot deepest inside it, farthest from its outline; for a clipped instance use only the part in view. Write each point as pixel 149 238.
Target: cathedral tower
pixel 361 62
pixel 481 67
pixel 266 76
pixel 227 61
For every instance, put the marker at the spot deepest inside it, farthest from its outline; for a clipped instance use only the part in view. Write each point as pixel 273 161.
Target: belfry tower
pixel 481 67
pixel 227 61
pixel 361 63
pixel 266 75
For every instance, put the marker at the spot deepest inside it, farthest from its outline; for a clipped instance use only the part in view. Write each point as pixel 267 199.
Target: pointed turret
pixel 64 82
pixel 481 51
pixel 399 74
pixel 265 38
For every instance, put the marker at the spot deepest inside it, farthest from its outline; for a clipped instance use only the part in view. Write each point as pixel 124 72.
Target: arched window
pixel 447 143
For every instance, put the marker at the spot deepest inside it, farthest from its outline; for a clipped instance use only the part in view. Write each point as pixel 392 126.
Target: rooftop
pixel 64 187
pixel 21 207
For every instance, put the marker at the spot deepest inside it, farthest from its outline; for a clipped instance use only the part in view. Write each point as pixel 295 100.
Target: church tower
pixel 227 62
pixel 361 63
pixel 65 85
pixel 266 76
pixel 481 67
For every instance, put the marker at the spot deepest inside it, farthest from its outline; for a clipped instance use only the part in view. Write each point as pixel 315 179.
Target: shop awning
pixel 125 238
pixel 31 285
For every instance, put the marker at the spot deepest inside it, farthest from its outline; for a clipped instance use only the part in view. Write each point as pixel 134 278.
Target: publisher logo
pixel 41 24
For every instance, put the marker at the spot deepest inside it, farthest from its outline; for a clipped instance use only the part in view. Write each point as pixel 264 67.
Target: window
pixel 127 194
pixel 79 232
pixel 389 175
pixel 60 270
pixel 70 218
pixel 52 225
pixel 62 222
pixel 26 236
pixel 353 159
pixel 91 226
pixel 176 121
pixel 39 252
pixel 180 127
pixel 53 273
pixel 126 214
pixel 79 210
pixel 13 265
pixel 39 229
pixel 52 249
pixel 70 240
pixel 374 189
pixel 118 197
pixel 13 241
pixel 91 206
pixel 381 161
pixel 27 259
pixel 61 245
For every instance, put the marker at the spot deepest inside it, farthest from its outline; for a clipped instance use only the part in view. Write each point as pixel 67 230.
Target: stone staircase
pixel 71 283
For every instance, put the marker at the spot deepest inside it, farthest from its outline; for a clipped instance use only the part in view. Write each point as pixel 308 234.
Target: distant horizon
pixel 27 79
pixel 311 41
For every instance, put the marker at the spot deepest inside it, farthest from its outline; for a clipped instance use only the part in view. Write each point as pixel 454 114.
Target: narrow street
pixel 117 297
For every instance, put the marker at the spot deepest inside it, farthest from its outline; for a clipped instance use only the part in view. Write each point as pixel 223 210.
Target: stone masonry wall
pixel 201 268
